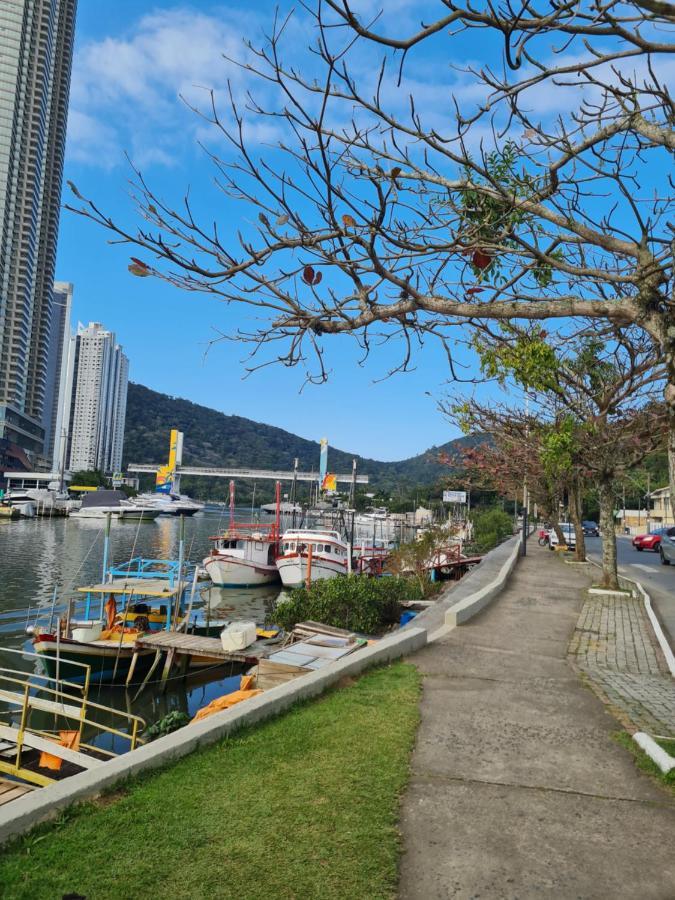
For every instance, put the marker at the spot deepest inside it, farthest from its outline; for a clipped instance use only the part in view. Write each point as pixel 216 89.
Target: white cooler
pixel 238 636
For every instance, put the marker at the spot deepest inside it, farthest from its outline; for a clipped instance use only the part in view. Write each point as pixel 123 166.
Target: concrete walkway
pixel 518 789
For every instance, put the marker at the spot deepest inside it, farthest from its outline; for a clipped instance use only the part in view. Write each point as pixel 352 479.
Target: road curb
pixel 657 754
pixel 661 638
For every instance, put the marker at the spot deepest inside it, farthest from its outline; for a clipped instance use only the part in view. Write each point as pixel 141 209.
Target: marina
pixel 120 601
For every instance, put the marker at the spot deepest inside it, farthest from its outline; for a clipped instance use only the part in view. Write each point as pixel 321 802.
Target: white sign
pixel 454 496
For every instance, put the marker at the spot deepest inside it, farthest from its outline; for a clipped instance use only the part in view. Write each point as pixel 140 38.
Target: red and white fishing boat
pixel 309 554
pixel 244 555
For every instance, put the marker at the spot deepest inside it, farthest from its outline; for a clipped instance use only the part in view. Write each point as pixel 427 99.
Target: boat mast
pixel 231 505
pixel 277 520
pixel 181 561
pixel 106 545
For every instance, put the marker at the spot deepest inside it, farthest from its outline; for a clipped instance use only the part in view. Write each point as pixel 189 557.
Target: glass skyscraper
pixel 36 48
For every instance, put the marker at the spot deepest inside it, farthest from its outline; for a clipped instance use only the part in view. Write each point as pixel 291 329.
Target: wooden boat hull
pixel 109 664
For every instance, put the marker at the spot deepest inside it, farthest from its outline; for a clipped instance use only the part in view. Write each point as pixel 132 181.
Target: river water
pixel 39 556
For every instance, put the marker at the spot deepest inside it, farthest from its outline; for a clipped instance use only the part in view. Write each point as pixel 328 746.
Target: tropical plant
pixel 355 602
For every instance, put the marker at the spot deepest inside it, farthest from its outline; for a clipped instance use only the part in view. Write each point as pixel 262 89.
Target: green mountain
pixel 215 439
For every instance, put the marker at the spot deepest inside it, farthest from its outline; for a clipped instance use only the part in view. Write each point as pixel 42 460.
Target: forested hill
pixel 215 439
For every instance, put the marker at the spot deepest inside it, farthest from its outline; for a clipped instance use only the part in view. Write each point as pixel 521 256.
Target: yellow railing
pixel 25 691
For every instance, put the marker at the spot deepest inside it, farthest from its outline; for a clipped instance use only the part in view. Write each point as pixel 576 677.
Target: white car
pixel 569 534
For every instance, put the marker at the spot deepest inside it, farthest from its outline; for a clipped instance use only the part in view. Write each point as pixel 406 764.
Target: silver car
pixel 667 546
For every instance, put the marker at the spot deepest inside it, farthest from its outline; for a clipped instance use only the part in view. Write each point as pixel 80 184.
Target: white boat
pixel 40 501
pixel 329 555
pixel 98 504
pixel 244 556
pixel 169 504
pixel 285 509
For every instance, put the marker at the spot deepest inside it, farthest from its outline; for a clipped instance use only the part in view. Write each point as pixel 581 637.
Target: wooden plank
pixel 13 794
pixel 319 628
pixel 270 674
pixel 47 746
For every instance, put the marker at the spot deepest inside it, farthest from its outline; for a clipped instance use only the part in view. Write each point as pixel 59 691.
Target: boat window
pixel 240 545
pixel 258 545
pixel 327 548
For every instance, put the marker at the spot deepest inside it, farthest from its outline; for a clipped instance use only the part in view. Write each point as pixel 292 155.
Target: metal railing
pixel 67 701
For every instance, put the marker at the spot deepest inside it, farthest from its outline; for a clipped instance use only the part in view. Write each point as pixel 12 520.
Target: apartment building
pixel 92 405
pixel 36 46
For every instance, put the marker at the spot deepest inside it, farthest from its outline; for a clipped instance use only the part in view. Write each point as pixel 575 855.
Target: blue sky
pixel 132 59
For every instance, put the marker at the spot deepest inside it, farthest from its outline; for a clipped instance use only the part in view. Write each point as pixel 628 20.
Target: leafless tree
pixel 369 221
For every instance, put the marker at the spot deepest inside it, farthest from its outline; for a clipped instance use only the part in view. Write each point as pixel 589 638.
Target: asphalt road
pixel 645 567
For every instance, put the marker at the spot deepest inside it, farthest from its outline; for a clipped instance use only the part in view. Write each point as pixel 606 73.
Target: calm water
pixel 38 556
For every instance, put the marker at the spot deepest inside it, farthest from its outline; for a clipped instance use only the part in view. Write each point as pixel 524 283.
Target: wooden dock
pixel 195 645
pixel 192 646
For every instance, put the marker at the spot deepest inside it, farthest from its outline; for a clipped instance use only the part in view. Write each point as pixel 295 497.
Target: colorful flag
pixel 329 483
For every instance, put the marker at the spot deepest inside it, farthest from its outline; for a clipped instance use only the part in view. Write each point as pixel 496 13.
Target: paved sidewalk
pixel 518 789
pixel 614 645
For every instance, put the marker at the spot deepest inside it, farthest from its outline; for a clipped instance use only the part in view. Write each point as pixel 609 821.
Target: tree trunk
pixel 610 577
pixel 555 523
pixel 575 519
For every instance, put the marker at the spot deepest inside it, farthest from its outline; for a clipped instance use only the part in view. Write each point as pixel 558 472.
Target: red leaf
pixel 139 268
pixel 481 259
pixel 308 275
pixel 474 290
pixel 318 277
pixel 348 221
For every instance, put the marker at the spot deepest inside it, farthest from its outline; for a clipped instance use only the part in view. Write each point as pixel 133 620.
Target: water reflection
pixel 39 557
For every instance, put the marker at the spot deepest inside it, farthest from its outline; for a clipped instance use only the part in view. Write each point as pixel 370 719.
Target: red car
pixel 649 541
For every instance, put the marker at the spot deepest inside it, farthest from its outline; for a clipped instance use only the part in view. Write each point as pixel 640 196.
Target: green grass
pixel 646 763
pixel 304 806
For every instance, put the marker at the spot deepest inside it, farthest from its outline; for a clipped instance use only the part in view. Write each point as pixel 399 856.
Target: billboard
pixel 454 496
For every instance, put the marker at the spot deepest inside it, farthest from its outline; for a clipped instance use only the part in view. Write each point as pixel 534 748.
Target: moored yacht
pixel 312 553
pixel 169 504
pixel 98 504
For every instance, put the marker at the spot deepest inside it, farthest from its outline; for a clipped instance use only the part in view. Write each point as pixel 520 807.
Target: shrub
pixel 491 527
pixel 355 602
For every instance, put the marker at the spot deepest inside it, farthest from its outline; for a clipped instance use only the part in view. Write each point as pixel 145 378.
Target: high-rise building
pixel 36 48
pixel 57 363
pixel 93 402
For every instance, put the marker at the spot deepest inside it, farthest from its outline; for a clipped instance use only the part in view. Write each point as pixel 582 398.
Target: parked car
pixel 651 541
pixel 667 546
pixel 569 533
pixel 591 529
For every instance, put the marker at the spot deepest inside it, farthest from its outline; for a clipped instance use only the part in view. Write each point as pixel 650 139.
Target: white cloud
pixel 126 89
